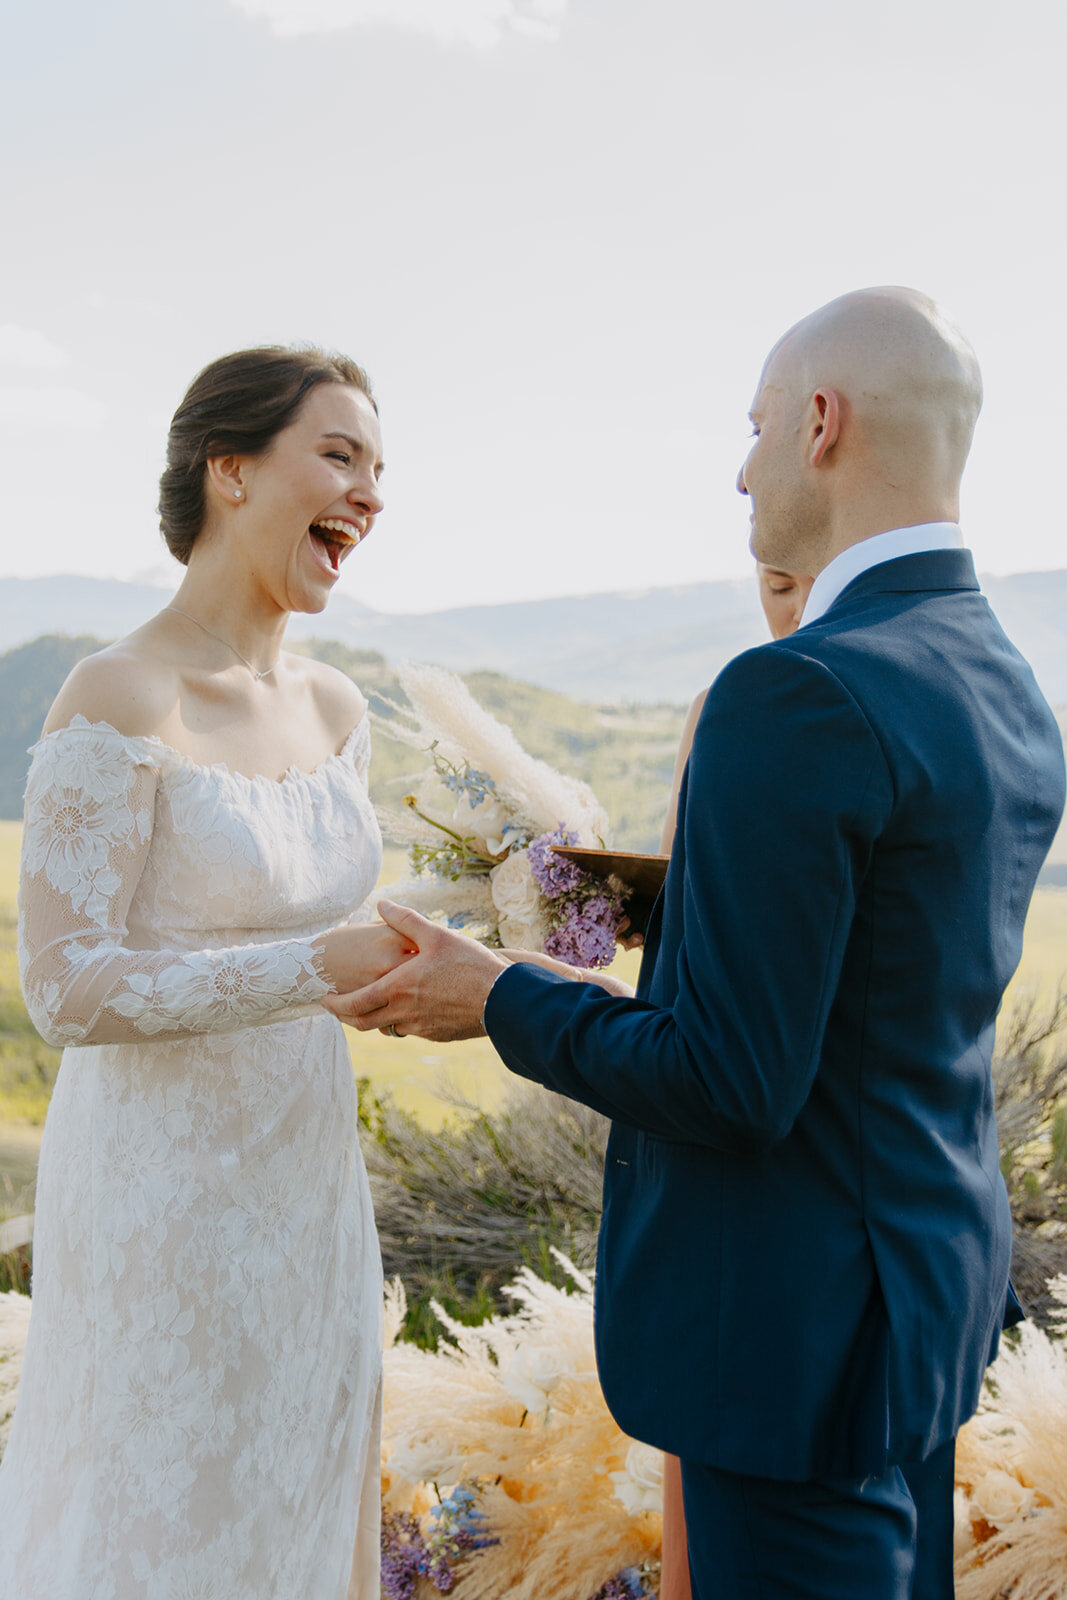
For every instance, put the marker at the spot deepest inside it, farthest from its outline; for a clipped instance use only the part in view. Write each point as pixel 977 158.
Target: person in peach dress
pixel 782 596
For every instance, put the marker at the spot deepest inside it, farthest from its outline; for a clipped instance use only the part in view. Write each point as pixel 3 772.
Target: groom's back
pixel 857 1258
pixel 976 762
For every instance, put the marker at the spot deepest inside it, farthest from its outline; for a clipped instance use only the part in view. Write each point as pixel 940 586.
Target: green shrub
pixel 459 1208
pixel 1030 1080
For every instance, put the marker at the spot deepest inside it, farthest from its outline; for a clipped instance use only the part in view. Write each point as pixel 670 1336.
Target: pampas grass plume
pixel 514 1404
pixel 1011 1469
pixel 438 897
pixel 445 713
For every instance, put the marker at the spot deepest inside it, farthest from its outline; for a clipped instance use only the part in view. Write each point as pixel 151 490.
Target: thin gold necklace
pixel 253 670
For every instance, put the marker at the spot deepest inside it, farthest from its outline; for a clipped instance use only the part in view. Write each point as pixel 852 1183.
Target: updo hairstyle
pixel 237 406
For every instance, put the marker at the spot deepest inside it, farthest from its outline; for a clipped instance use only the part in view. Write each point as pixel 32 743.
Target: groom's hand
pixel 438 994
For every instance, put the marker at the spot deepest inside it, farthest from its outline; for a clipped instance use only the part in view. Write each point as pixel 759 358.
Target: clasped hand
pixel 430 982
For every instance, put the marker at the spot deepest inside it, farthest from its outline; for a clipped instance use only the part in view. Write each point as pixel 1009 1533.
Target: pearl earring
pixel 237 493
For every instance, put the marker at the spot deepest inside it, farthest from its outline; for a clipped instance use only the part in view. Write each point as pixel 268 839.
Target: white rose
pixel 1000 1498
pixel 522 935
pixel 486 820
pixel 425 1458
pixel 518 903
pixel 532 1374
pixel 640 1486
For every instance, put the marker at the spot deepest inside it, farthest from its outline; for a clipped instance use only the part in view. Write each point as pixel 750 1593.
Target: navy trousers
pixel 932 1486
pixel 887 1538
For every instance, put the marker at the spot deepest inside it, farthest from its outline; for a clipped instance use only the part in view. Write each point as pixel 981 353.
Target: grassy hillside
pixel 29 679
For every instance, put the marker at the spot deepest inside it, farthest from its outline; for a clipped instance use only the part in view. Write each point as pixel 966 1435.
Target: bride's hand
pixel 603 980
pixel 353 957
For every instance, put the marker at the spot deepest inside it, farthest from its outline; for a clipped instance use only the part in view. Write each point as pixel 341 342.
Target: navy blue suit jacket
pixel 805 1241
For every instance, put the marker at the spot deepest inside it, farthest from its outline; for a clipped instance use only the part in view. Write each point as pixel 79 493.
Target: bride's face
pixel 300 509
pixel 782 596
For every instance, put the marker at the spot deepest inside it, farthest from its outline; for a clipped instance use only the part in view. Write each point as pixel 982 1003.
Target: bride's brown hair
pixel 237 406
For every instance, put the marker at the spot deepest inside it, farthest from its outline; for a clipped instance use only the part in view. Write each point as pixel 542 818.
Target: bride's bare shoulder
pixel 128 684
pixel 340 703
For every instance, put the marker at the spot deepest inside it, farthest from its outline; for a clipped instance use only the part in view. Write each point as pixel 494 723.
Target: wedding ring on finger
pixel 393 1031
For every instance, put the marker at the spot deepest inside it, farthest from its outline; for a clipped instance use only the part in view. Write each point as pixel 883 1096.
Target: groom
pixel 804 1251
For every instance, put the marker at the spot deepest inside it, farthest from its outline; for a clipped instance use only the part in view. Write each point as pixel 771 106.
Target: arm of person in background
pixel 782 596
pixel 576 974
pixel 684 747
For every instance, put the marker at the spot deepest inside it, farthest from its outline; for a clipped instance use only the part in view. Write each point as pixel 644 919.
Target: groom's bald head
pixel 872 402
pixel 907 372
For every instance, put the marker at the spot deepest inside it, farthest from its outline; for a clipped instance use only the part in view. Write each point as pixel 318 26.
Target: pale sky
pixel 560 234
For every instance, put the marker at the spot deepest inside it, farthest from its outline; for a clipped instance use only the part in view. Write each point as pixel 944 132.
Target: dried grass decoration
pixel 512 1411
pixel 1011 1471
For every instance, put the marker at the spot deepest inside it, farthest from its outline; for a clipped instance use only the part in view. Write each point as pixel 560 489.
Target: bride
pixel 198 1412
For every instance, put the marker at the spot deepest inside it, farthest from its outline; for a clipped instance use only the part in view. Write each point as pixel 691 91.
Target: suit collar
pixel 913 540
pixel 932 570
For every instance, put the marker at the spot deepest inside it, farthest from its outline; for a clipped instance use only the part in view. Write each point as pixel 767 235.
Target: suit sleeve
pixel 787 791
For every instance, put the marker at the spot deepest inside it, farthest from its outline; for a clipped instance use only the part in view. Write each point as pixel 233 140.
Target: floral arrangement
pixel 481 825
pixel 411 1552
pixel 1011 1471
pixel 512 1412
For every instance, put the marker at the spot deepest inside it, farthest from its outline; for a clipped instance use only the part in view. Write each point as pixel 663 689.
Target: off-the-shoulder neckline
pixel 81 724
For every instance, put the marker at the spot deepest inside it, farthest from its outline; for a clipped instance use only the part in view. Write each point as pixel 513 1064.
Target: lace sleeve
pixel 90 802
pixel 367 910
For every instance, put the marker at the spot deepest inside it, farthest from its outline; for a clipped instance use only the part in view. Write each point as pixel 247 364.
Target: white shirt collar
pixel 839 573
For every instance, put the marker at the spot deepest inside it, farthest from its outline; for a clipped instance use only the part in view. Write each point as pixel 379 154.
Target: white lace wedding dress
pixel 198 1413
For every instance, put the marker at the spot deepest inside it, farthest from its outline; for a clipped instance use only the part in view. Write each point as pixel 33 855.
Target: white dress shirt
pixel 839 573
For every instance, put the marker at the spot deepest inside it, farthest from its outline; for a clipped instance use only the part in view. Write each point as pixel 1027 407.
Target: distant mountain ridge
pixel 649 645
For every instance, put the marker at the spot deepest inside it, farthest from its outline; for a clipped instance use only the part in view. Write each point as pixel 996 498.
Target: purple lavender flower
pixel 625 1585
pixel 408 1554
pixel 586 935
pixel 553 874
pixel 403 1555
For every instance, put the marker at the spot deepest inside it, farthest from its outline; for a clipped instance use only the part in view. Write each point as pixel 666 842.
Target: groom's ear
pixel 825 415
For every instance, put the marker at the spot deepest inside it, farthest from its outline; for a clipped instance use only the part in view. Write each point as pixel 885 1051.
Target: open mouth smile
pixel 335 538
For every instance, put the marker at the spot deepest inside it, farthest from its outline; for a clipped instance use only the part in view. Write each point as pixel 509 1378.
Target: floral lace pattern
pixel 198 1408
